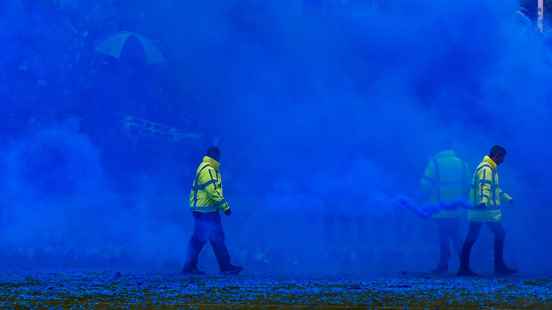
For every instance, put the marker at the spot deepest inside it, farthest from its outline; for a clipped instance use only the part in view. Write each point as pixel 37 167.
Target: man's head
pixel 449 143
pixel 497 154
pixel 213 152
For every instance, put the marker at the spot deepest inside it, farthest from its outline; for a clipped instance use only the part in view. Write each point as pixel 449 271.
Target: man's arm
pixel 212 189
pixel 485 177
pixel 506 196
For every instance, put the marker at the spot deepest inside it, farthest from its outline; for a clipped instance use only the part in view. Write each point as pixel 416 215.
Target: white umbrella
pixel 113 46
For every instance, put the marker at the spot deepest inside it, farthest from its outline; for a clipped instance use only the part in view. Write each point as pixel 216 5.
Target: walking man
pixel 206 201
pixel 488 199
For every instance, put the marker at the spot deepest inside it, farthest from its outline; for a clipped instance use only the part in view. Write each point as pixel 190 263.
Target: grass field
pixel 116 290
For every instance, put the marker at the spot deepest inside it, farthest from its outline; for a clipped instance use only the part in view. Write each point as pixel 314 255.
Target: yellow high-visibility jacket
pixel 207 194
pixel 446 180
pixel 487 196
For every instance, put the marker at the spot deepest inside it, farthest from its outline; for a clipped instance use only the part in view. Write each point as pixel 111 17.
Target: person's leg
pixel 473 234
pixel 444 251
pixel 500 235
pixel 197 242
pixel 217 240
pixel 454 236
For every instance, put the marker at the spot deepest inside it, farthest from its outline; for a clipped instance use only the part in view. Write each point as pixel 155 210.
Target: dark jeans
pixel 449 236
pixel 471 238
pixel 207 227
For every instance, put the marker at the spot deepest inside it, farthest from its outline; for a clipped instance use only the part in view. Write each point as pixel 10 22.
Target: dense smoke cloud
pixel 325 114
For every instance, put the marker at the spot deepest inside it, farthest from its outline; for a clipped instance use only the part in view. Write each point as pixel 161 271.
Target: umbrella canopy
pixel 114 45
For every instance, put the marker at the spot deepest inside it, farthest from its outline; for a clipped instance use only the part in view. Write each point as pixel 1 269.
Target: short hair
pixel 213 152
pixel 497 150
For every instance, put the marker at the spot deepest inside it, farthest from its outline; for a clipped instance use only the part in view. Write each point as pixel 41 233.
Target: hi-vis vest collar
pixel 211 162
pixel 489 161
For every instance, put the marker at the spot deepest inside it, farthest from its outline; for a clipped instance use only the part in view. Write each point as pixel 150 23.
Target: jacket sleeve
pixel 213 188
pixel 485 181
pixel 427 181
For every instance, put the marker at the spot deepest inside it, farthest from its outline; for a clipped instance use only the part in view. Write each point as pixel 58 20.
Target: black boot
pixel 465 270
pixel 194 248
pixel 231 270
pixel 500 267
pixel 223 257
pixel 192 270
pixel 503 270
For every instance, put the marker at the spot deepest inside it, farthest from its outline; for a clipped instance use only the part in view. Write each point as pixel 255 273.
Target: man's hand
pixel 508 198
pixel 228 212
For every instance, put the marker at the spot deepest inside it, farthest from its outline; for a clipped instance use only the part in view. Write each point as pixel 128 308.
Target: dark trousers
pixel 449 237
pixel 207 227
pixel 471 238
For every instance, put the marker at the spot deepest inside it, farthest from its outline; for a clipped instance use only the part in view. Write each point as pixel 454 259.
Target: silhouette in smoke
pixel 206 199
pixel 488 198
pixel 446 182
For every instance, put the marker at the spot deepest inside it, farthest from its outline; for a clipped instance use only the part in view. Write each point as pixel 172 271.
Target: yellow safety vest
pixel 207 194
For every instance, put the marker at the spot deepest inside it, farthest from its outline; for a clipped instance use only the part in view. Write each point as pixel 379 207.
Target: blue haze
pixel 325 114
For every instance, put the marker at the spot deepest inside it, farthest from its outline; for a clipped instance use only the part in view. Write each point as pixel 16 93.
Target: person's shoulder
pixel 484 167
pixel 203 168
pixel 206 167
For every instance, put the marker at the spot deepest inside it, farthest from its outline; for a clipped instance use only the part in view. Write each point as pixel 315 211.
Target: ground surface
pixel 103 289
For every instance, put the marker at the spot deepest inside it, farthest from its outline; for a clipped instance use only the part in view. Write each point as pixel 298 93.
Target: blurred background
pixel 326 111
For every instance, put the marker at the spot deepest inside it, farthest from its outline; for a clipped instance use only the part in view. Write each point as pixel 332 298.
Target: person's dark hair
pixel 497 150
pixel 213 152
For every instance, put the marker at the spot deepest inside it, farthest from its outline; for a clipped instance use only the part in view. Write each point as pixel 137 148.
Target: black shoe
pixel 232 270
pixel 192 271
pixel 503 270
pixel 440 270
pixel 466 272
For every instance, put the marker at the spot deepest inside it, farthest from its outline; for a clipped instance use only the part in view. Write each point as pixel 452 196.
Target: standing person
pixel 487 201
pixel 206 200
pixel 445 186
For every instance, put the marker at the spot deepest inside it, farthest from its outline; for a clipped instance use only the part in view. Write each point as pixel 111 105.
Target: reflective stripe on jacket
pixel 487 196
pixel 207 194
pixel 446 181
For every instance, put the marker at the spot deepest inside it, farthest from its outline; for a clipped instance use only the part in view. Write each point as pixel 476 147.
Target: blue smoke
pixel 325 114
